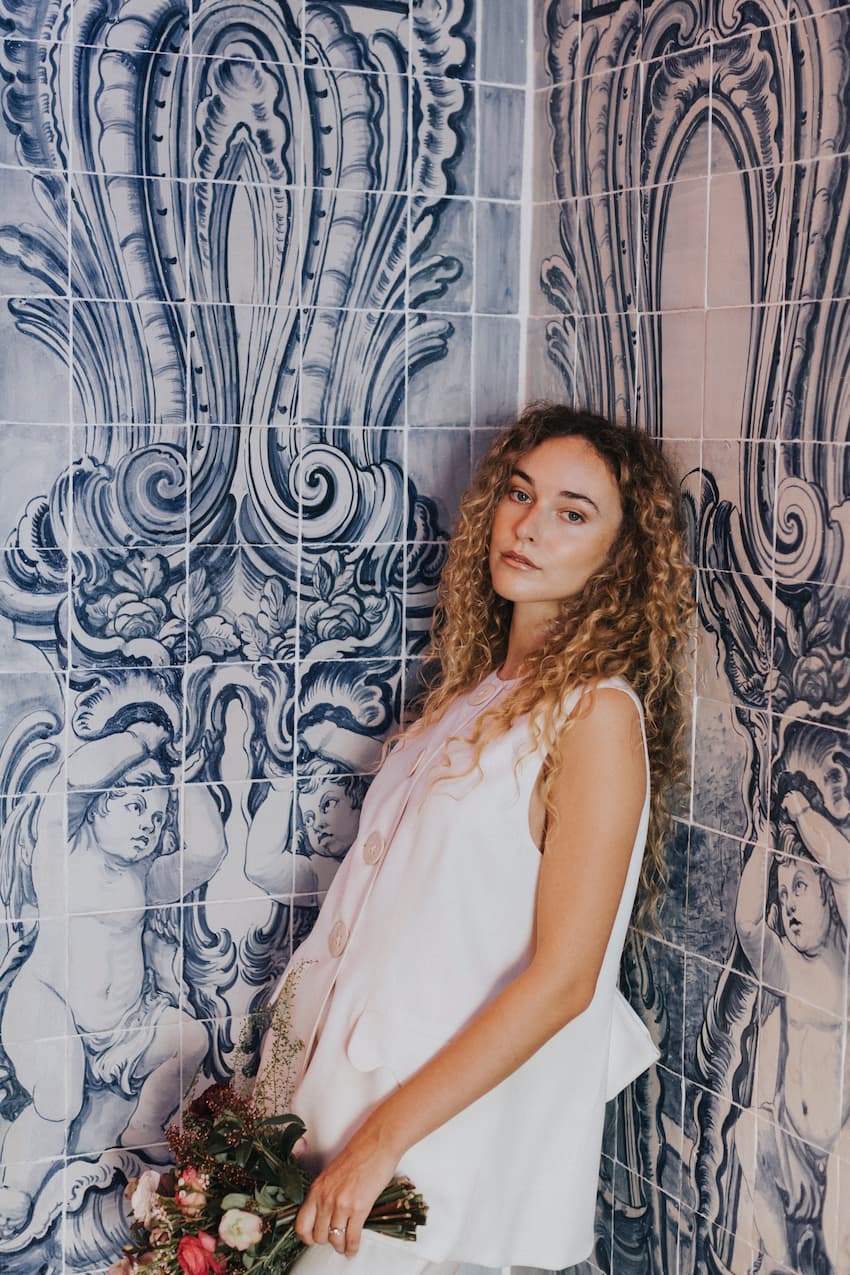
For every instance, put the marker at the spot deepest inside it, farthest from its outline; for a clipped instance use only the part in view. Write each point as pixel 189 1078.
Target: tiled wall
pixel 260 270
pixel 690 274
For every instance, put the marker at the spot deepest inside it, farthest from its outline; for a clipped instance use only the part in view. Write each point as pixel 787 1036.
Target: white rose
pixel 144 1197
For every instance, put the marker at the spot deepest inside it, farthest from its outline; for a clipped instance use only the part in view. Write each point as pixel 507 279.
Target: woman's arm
pixel 598 794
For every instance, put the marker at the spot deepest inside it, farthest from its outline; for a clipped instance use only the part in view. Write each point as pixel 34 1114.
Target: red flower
pixel 211 1101
pixel 196 1255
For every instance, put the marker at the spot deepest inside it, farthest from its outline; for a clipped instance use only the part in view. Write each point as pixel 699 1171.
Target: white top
pixel 428 918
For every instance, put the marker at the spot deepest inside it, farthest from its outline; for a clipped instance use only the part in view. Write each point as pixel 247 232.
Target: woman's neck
pixel 529 630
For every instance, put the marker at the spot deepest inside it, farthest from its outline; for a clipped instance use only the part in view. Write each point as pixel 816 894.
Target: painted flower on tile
pixel 137 609
pixel 821 677
pixel 198 626
pixel 345 607
pixel 270 634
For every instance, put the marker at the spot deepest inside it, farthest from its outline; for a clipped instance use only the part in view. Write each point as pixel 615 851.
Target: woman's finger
pixel 352 1233
pixel 322 1222
pixel 305 1221
pixel 338 1231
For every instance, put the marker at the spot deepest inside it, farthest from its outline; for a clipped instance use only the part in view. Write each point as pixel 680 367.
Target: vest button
pixel 337 939
pixel 373 848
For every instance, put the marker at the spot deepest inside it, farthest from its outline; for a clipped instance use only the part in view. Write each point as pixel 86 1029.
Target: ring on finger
pixel 336 1230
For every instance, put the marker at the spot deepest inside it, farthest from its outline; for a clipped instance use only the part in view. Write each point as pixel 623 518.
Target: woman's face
pixel 555 525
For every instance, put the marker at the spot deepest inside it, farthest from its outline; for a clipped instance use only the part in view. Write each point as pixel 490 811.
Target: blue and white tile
pixel 818 47
pixel 130 486
pixel 724 751
pixel 815 333
pixel 147 369
pixel 34 245
pixel 503 50
pixel 96 24
pixel 245 241
pixel 365 391
pixel 251 706
pixel 364 694
pixel 439 389
pixel 680 336
pixel 34 373
pixel 497 245
pixel 243 364
pixel 26 140
pixel 496 389
pixel 442 266
pixel 438 464
pixel 128 609
pixel 449 167
pixel 501 131
pixel 551 359
pixel 32 713
pixel 682 209
pixel 155 86
pixel 128 238
pixel 340 34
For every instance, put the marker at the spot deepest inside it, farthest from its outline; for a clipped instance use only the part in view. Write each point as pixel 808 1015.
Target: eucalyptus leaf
pixel 236 1200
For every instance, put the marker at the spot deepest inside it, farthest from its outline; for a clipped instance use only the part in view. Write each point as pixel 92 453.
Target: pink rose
pixel 191 1194
pixel 240 1229
pixel 196 1255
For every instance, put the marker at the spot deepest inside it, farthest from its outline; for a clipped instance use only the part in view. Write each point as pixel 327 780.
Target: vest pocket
pixel 400 1042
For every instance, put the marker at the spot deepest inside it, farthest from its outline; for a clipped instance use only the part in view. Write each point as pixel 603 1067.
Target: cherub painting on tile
pixel 100 998
pixel 792 921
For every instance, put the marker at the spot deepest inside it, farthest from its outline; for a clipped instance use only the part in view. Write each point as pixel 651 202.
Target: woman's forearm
pixel 530 1010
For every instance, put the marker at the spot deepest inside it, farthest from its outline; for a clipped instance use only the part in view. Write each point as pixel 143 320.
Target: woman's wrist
pixel 384 1128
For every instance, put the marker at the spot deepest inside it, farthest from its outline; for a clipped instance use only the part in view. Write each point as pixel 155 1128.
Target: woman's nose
pixel 526 525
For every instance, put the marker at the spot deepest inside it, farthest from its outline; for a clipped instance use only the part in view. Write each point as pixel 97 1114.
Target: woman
pixel 454 1014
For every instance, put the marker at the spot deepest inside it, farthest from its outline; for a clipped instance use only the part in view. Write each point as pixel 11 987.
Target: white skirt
pixel 377 1255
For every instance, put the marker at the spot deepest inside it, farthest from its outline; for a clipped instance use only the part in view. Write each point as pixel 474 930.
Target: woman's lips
pixel 518 561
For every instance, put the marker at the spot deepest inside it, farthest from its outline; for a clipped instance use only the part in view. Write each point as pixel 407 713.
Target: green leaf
pixel 242 1154
pixel 248 1260
pixel 236 1200
pixel 290 1137
pixel 267 1195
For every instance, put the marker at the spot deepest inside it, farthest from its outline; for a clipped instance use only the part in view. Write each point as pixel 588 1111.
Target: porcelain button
pixel 337 939
pixel 373 848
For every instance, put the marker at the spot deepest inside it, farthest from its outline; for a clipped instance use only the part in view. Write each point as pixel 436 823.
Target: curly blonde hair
pixel 630 620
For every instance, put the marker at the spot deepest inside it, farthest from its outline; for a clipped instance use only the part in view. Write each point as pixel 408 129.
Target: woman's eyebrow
pixel 568 495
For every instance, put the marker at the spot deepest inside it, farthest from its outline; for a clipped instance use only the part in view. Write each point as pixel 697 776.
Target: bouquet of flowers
pixel 231 1201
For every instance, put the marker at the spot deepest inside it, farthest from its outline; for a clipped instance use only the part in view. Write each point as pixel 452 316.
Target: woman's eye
pixel 516 493
pixel 573 516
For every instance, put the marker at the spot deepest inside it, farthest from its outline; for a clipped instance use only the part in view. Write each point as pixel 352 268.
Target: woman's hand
pixel 341 1197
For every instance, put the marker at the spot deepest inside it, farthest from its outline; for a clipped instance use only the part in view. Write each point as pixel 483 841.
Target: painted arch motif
pixel 762 1143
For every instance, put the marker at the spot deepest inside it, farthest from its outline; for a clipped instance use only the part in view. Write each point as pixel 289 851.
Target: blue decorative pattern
pixel 693 278
pixel 238 241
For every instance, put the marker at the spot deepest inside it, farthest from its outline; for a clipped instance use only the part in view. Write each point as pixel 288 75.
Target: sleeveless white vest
pixel 428 918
